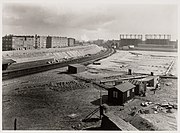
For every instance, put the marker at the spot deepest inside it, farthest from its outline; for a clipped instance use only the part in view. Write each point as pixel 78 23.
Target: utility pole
pixel 15 124
pixel 101 109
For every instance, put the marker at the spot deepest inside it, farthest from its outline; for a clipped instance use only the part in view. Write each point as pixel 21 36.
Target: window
pixel 128 93
pixel 132 90
pixel 115 94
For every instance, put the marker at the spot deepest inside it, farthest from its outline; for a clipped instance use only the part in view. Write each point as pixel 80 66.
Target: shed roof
pixel 124 86
pixel 76 65
pixel 6 61
pixel 135 82
pixel 108 80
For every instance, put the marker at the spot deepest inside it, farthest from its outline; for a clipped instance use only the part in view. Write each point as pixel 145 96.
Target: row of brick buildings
pixel 13 42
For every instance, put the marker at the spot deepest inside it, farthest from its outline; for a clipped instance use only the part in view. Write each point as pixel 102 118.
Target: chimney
pixel 129 72
pixel 152 73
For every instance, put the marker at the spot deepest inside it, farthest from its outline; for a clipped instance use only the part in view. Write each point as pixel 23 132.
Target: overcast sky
pixel 88 21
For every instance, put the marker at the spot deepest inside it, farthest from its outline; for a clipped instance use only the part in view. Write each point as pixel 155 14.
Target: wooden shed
pixel 121 93
pixel 76 68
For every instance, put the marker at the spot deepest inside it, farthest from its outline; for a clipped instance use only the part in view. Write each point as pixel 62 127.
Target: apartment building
pixel 58 42
pixel 11 42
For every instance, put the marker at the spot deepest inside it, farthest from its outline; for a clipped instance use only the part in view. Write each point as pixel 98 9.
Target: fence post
pixel 15 124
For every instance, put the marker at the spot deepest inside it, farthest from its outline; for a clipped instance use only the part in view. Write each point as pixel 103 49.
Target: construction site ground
pixel 116 67
pixel 139 61
pixel 38 101
pixel 56 100
pixel 148 118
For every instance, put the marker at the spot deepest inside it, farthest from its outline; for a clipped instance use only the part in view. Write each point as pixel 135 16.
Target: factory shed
pixel 140 86
pixel 76 68
pixel 6 63
pixel 121 93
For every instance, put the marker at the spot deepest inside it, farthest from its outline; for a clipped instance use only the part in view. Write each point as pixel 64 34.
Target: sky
pixel 88 20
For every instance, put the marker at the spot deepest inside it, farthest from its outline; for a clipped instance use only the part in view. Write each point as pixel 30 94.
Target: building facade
pixel 36 41
pixel 43 41
pixel 71 41
pixel 130 39
pixel 49 42
pixel 12 42
pixel 7 43
pixel 121 93
pixel 59 42
pixel 98 42
pixel 160 39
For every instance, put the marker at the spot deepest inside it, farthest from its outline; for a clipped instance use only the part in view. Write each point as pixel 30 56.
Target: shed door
pixel 115 94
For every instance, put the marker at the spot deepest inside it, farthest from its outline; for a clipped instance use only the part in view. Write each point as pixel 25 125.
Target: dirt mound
pixel 142 124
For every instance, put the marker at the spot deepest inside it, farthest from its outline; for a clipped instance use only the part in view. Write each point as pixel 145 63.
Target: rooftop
pixel 135 82
pixel 76 65
pixel 124 86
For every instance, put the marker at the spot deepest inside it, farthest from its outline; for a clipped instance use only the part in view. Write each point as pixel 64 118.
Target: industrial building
pixel 159 39
pixel 75 68
pixel 151 41
pixel 121 93
pixel 130 39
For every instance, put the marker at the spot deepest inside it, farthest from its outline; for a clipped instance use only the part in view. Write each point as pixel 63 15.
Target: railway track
pixel 9 74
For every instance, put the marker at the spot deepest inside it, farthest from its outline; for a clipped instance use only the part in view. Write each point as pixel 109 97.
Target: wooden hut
pixel 121 93
pixel 76 68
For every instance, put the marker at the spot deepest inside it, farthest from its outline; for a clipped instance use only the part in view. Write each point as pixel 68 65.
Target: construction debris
pixel 72 115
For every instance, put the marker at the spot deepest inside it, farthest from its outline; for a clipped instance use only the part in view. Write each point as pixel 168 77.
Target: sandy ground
pixel 149 61
pixel 38 103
